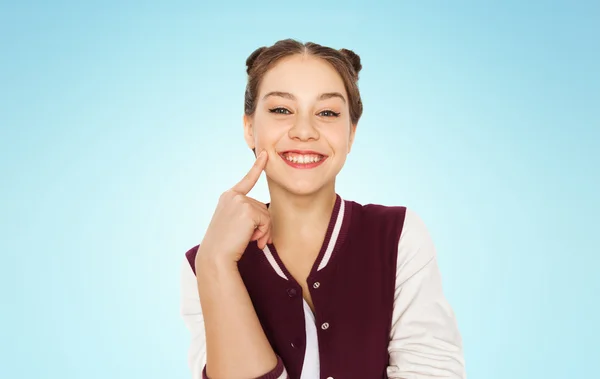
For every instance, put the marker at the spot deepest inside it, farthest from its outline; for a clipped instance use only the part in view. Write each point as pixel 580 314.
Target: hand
pixel 238 220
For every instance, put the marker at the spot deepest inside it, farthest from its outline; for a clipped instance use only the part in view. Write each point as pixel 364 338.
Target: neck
pixel 300 217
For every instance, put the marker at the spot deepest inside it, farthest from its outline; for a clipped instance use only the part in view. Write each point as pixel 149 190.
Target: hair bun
pixel 353 58
pixel 252 58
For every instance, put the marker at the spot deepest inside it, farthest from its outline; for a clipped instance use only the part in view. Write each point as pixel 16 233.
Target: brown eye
pixel 279 111
pixel 329 113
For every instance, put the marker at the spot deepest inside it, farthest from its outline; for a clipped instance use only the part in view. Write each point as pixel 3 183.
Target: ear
pixel 249 131
pixel 352 134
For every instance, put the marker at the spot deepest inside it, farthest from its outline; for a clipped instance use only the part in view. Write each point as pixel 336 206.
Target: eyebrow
pixel 323 96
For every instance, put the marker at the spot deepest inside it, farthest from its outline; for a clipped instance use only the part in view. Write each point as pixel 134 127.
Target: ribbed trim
pixel 335 218
pixel 278 372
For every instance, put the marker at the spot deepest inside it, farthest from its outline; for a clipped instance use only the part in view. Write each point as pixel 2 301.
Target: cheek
pixel 267 133
pixel 339 140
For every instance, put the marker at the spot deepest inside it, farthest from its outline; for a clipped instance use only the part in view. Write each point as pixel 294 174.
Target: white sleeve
pixel 425 341
pixel 191 312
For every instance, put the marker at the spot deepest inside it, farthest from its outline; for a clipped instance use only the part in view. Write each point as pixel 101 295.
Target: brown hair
pixel 346 63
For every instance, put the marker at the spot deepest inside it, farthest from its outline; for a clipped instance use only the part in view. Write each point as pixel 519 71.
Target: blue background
pixel 122 123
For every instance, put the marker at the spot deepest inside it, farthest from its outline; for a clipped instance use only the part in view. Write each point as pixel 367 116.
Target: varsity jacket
pixel 380 311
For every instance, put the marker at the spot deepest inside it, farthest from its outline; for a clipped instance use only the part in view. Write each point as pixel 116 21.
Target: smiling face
pixel 302 120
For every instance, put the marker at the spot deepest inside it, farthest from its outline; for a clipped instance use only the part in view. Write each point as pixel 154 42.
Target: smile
pixel 302 159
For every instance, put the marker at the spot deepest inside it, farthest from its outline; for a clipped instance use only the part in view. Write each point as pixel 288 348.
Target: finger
pixel 257 206
pixel 248 182
pixel 264 226
pixel 262 221
pixel 261 229
pixel 262 206
pixel 261 236
pixel 256 235
pixel 262 242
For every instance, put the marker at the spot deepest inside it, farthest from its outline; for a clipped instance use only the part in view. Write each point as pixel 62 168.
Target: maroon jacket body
pixel 353 294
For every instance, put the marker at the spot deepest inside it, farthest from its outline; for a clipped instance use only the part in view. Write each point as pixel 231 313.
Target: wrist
pixel 208 264
pixel 216 278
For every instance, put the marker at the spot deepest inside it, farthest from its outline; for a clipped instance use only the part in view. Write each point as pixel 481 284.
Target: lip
pixel 303 165
pixel 303 152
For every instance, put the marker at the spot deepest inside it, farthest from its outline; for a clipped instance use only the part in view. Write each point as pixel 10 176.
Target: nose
pixel 303 129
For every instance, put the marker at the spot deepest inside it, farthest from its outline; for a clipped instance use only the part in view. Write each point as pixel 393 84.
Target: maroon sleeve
pixel 276 373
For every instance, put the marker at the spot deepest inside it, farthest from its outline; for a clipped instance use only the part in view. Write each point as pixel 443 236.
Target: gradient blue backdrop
pixel 122 123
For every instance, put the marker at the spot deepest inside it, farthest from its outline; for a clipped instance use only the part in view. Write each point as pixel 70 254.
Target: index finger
pixel 247 183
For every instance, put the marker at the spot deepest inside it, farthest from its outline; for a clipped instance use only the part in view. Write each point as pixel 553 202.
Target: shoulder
pixel 415 247
pixel 380 211
pixel 414 243
pixel 385 211
pixel 413 232
pixel 377 216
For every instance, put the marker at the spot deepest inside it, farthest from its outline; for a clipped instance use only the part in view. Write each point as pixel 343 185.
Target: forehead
pixel 302 75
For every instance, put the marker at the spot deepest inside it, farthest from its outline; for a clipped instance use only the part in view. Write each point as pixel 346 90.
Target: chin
pixel 301 187
pixel 302 182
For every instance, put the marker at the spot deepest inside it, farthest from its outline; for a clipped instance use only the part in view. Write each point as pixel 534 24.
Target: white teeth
pixel 303 159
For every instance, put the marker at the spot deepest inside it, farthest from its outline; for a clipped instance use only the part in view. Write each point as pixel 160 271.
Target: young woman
pixel 311 285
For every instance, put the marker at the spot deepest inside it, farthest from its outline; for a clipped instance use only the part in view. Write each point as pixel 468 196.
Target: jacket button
pixel 291 292
pixel 325 326
pixel 316 285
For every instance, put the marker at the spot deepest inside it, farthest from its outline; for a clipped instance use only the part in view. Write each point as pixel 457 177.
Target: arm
pixel 225 318
pixel 234 342
pixel 425 341
pixel 233 331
